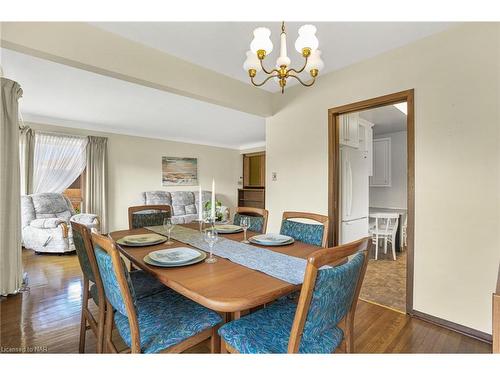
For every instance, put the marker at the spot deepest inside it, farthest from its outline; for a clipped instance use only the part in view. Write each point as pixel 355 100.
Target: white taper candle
pixel 213 199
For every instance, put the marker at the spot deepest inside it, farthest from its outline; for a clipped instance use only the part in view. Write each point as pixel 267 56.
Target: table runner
pixel 281 266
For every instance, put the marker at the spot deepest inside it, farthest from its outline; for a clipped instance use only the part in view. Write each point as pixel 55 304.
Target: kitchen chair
pixel 404 232
pixel 148 216
pixel 163 322
pixel 145 285
pixel 323 319
pixel 386 227
pixel 257 216
pixel 314 234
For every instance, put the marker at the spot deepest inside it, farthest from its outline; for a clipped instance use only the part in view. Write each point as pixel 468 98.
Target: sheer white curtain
pixel 58 161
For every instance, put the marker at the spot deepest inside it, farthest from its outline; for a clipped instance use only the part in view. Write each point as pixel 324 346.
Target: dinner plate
pixel 228 228
pixel 174 255
pixel 271 239
pixel 272 244
pixel 151 262
pixel 142 240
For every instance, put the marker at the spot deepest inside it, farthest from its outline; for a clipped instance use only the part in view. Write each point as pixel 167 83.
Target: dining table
pixel 223 286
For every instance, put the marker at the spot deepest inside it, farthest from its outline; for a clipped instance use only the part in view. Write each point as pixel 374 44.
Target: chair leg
pixel 393 249
pixel 385 245
pixel 100 327
pixel 376 248
pixel 215 342
pixel 83 321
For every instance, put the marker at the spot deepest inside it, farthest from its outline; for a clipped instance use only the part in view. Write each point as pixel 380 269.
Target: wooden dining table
pixel 223 286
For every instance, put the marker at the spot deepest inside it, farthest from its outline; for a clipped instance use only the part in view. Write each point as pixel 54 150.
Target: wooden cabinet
pixel 381 176
pixel 349 130
pixel 254 181
pixel 251 198
pixel 254 170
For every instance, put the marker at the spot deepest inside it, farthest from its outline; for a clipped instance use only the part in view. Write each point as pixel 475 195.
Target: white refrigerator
pixel 354 194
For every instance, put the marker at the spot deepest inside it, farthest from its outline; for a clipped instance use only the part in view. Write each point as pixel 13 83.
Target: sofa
pixel 185 204
pixel 46 222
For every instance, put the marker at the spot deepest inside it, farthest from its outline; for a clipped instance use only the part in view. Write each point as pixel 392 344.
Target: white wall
pixel 134 165
pixel 395 195
pixel 456 78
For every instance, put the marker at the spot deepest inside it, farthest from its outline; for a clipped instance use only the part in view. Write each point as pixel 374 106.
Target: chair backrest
pixel 117 284
pixel 386 222
pixel 314 234
pixel 45 206
pixel 86 257
pixel 146 216
pixel 329 295
pixel 257 216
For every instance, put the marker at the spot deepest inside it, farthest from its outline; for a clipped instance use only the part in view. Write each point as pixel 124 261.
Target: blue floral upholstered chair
pixel 323 319
pixel 163 322
pixel 144 284
pixel 314 234
pixel 147 216
pixel 257 217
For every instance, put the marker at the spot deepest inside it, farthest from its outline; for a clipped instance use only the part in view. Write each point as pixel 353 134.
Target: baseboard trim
pixel 467 331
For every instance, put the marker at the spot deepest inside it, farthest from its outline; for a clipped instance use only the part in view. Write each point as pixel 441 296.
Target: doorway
pixel 344 144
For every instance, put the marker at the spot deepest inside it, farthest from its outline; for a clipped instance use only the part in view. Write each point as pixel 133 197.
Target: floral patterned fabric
pixel 268 330
pixel 41 216
pixel 166 319
pixel 256 222
pixel 303 232
pixel 145 219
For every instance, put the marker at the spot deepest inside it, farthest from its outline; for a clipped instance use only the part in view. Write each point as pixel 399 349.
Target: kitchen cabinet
pixel 349 129
pixel 381 176
pixel 366 142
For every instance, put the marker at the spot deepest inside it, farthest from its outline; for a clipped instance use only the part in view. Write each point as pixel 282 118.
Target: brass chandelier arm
pixel 300 70
pixel 264 82
pixel 302 82
pixel 267 71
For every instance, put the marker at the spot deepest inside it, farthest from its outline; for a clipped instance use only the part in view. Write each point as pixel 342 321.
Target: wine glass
pixel 245 223
pixel 211 237
pixel 168 226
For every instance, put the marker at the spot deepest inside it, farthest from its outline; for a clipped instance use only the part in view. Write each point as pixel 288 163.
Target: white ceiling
pixel 387 119
pixel 66 96
pixel 221 46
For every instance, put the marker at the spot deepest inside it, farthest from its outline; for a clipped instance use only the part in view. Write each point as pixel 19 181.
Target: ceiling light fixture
pixel 261 46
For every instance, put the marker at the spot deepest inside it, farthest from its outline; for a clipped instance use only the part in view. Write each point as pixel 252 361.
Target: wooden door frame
pixel 334 172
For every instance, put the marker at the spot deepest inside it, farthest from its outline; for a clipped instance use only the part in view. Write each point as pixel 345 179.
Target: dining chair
pixel 404 231
pixel 385 228
pixel 257 217
pixel 314 234
pixel 148 215
pixel 145 285
pixel 163 322
pixel 323 319
pixel 92 287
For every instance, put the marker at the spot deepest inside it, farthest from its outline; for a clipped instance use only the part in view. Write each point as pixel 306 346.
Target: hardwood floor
pixel 47 318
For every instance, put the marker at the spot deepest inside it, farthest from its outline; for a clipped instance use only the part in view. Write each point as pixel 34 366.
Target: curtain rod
pixel 60 134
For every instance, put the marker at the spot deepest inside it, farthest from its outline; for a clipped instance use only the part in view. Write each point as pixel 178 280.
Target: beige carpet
pixel 385 280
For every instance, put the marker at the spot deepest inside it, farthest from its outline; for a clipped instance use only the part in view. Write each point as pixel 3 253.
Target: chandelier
pixel 261 46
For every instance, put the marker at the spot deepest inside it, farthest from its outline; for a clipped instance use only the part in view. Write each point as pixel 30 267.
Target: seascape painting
pixel 179 171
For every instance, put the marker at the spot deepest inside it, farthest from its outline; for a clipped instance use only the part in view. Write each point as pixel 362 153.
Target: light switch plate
pixel 274 176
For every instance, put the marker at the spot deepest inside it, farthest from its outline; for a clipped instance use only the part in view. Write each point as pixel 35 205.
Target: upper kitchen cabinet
pixel 349 129
pixel 254 170
pixel 381 176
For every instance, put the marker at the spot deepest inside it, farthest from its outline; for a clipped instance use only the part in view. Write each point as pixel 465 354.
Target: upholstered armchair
pixel 46 221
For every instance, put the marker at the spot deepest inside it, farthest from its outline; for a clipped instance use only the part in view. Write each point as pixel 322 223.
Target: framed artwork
pixel 179 171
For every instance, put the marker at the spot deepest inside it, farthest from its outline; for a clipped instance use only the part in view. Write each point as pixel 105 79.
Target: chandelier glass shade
pixel 261 46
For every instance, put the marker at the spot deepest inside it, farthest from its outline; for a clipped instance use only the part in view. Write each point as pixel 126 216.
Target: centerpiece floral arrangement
pixel 207 207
